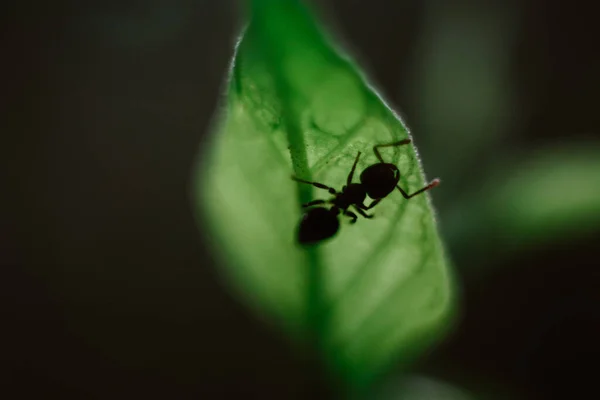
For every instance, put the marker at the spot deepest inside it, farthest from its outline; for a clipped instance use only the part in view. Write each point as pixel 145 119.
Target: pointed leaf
pixel 380 290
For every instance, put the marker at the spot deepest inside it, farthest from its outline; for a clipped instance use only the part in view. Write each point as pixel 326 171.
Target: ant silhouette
pixel 377 181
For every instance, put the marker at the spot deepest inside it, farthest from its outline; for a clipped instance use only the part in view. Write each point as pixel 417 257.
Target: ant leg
pixel 373 204
pixel 314 203
pixel 399 143
pixel 433 184
pixel 351 174
pixel 364 214
pixel 351 215
pixel 316 184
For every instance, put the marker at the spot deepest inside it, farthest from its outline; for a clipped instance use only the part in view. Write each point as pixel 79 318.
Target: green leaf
pixel 380 291
pixel 549 194
pixel 419 387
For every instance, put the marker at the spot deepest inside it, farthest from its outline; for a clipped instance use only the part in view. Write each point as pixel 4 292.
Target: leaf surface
pixel 380 291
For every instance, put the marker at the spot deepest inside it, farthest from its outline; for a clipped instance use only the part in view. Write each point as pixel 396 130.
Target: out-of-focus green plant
pixel 418 387
pixel 494 202
pixel 461 84
pixel 546 194
pixel 381 290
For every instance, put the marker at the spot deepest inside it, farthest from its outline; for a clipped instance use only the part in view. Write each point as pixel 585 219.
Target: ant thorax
pixel 353 193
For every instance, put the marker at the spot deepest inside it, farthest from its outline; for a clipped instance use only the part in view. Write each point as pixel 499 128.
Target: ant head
pixel 380 179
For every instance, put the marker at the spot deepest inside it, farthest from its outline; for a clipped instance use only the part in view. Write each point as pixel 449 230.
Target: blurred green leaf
pixel 419 387
pixel 378 292
pixel 551 193
pixel 467 51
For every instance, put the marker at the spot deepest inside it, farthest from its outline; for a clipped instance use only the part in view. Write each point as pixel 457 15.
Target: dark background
pixel 106 288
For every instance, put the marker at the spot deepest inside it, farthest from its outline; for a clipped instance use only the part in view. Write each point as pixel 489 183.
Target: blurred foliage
pixel 502 199
pixel 417 387
pixel 549 193
pixel 462 87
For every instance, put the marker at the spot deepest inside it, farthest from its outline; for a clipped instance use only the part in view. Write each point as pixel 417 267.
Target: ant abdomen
pixel 379 180
pixel 318 224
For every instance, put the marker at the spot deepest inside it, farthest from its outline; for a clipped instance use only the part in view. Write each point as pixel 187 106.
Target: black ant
pixel 377 181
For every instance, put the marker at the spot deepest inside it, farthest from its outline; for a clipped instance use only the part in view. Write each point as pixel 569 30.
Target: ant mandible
pixel 377 181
